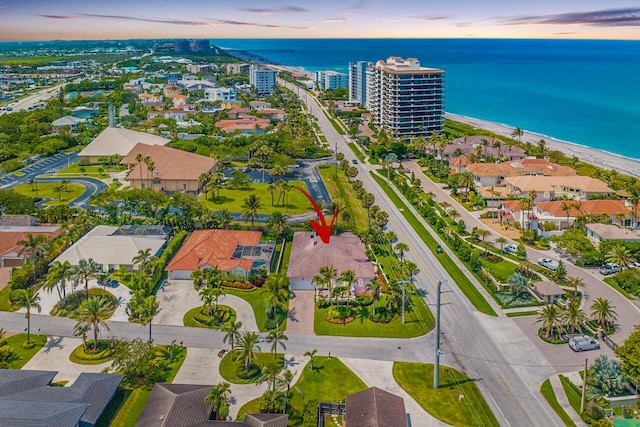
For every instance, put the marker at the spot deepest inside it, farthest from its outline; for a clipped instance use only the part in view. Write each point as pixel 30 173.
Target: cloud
pixel 266 11
pixel 356 7
pixel 254 24
pixel 420 18
pixel 603 18
pixel 57 16
pixel 158 21
pixel 333 20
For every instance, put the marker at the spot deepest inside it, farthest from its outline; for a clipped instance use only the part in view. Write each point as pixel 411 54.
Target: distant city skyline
pixel 118 19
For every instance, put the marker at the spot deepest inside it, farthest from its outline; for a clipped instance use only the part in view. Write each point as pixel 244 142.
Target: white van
pixel 583 342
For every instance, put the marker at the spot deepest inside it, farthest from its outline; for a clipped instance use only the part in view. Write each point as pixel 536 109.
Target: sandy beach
pixel 596 157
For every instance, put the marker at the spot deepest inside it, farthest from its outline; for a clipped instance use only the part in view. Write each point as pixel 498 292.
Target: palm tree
pixel 144 255
pixel 573 316
pixel 26 298
pixel 224 218
pixel 412 270
pixel 204 179
pixel 33 246
pixel 541 146
pixel 85 270
pixel 517 133
pixel 147 310
pixel 566 207
pixel 277 287
pixel 550 316
pixel 80 330
pixel 502 241
pixel 232 333
pixel 219 395
pixel 310 354
pixel 197 276
pixel 248 345
pixel 533 194
pixel 57 277
pixel 603 312
pixel 209 295
pixel 466 180
pixel 250 208
pixel 329 274
pixel 401 248
pixel 348 277
pixel 94 311
pixel 276 337
pixel 139 159
pixel 576 282
pixel 619 255
pixel 58 189
pixel 277 224
pixel 374 288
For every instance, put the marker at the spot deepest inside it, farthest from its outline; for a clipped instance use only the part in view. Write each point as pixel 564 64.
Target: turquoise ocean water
pixel 581 91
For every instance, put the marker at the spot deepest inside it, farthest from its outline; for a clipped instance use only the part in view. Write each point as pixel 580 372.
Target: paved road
pixel 44 166
pixel 29 101
pixel 507 372
pixel 91 186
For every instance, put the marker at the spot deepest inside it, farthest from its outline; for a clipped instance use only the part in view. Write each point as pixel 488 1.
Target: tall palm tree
pixel 144 255
pixel 573 317
pixel 147 310
pixel 533 194
pixel 374 288
pixel 619 255
pixel 401 248
pixel 603 312
pixel 33 246
pixel 224 218
pixel 94 312
pixel 197 276
pixel 204 179
pixel 80 330
pixel 250 208
pixel 551 317
pixel 277 287
pixel 139 159
pixel 348 277
pixel 411 269
pixel 502 241
pixel 219 395
pixel 248 344
pixel 329 274
pixel 317 280
pixel 209 295
pixel 277 337
pixel 85 270
pixel 57 276
pixel 277 224
pixel 26 298
pixel 576 282
pixel 466 180
pixel 517 133
pixel 232 333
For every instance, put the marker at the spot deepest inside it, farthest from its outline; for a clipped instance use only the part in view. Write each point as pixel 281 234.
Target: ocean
pixel 582 91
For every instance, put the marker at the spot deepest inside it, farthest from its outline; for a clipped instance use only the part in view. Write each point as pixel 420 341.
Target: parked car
pixel 511 248
pixel 113 283
pixel 354 161
pixel 583 342
pixel 548 263
pixel 246 169
pixel 608 268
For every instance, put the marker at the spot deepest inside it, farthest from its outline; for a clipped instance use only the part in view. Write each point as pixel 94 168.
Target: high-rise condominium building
pixel 264 79
pixel 405 98
pixel 358 82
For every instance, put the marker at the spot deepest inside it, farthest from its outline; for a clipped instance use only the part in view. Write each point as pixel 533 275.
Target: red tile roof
pixel 589 207
pixel 214 248
pixel 9 239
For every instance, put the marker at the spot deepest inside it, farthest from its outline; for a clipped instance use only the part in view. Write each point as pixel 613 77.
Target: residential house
pixel 469 145
pixel 248 124
pixel 116 141
pixel 178 100
pixel 236 252
pixel 345 252
pixel 69 122
pixel 151 99
pixel 547 291
pixel 599 232
pixel 183 405
pixel 112 248
pixel 272 113
pixel 173 169
pixel 172 89
pixel 563 213
pixel 554 187
pixel 373 407
pixel 493 174
pixel 196 85
pixel 27 398
pixel 259 105
pixel 237 113
pixel 18 230
pixel 511 212
pixel 84 112
pixel 222 94
pixel 238 68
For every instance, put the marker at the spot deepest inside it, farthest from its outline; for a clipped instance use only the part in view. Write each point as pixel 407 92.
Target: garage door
pixel 301 283
pixel 180 274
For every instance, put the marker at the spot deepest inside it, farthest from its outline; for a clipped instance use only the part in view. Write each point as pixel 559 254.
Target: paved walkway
pixel 564 402
pixel 54 356
pixel 301 313
pixel 180 296
pixel 380 374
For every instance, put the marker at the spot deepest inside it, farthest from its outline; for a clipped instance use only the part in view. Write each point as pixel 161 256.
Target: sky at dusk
pixel 213 19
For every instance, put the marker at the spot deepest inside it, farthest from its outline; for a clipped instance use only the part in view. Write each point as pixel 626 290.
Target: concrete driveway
pixel 301 309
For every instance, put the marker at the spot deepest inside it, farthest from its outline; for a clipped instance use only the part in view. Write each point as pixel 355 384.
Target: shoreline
pixel 600 158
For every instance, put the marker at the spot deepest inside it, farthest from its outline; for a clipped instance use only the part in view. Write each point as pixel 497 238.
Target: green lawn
pixel 356 151
pixel 286 256
pixel 258 300
pixel 443 403
pixel 522 313
pixel 574 396
pixel 46 191
pixel 502 270
pixel 330 381
pixel 232 200
pixel 463 282
pixel 547 391
pixel 97 171
pixel 611 281
pixel 417 322
pixel 194 318
pixel 22 356
pixel 128 403
pixel 342 193
pixel 229 367
pixel 75 299
pixel 79 356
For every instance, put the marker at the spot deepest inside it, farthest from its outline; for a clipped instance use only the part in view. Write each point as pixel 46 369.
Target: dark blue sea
pixel 581 91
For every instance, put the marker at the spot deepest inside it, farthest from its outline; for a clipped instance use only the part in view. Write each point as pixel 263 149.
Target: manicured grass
pixel 22 355
pixel 46 191
pixel 522 313
pixel 5 304
pixel 229 367
pixel 417 322
pixel 335 124
pixel 79 356
pixel 547 391
pixel 329 381
pixel 286 256
pixel 232 200
pixel 196 319
pixel 90 170
pixel 502 270
pixel 342 193
pixel 258 300
pixel 574 395
pixel 443 403
pixel 75 299
pixel 356 151
pixel 463 282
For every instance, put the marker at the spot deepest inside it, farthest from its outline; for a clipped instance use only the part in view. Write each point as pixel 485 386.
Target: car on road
pixel 511 248
pixel 608 268
pixel 354 161
pixel 113 283
pixel 583 343
pixel 548 263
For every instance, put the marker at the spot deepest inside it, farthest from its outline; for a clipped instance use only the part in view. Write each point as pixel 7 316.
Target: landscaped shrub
pixel 237 284
pixel 275 319
pixel 382 316
pixel 363 300
pixel 253 371
pixel 310 414
pixel 629 280
pixel 491 257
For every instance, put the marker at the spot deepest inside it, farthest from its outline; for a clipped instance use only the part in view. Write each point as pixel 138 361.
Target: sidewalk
pixel 564 402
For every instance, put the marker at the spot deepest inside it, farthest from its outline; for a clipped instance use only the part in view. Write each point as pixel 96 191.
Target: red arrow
pixel 323 230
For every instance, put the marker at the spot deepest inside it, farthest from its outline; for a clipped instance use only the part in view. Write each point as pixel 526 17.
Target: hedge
pixel 171 249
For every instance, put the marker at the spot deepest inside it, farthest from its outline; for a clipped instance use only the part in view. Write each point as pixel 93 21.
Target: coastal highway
pixel 33 99
pixel 505 365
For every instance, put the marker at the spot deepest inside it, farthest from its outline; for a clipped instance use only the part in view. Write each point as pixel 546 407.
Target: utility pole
pixel 436 367
pixel 404 284
pixel 584 386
